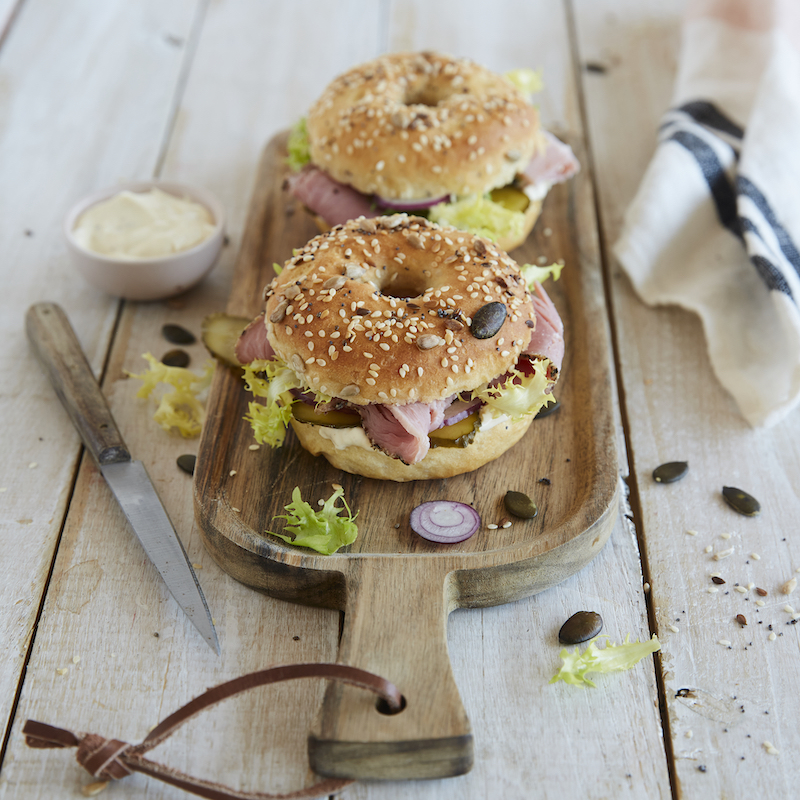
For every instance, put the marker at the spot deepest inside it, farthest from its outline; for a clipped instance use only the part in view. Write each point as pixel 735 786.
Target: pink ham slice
pixel 253 343
pixel 547 340
pixel 335 202
pixel 402 430
pixel 555 164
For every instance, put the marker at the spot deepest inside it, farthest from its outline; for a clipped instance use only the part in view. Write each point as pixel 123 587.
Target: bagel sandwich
pixel 432 135
pixel 401 350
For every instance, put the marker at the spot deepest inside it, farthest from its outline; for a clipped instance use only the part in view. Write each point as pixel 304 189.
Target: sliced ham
pixel 556 163
pixel 402 430
pixel 335 202
pixel 253 343
pixel 547 340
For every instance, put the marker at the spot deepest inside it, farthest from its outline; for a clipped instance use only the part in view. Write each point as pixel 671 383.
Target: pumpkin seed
pixel 520 505
pixel 740 501
pixel 670 472
pixel 175 334
pixel 176 358
pixel 550 408
pixel 187 462
pixel 580 627
pixel 488 320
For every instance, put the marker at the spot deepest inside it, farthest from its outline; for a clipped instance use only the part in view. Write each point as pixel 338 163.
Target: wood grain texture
pixel 61 72
pixel 238 492
pixel 198 89
pixel 723 701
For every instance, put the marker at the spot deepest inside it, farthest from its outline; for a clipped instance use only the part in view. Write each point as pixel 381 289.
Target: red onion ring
pixel 460 409
pixel 406 205
pixel 445 521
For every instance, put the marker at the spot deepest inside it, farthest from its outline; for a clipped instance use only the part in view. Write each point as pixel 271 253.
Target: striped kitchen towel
pixel 715 224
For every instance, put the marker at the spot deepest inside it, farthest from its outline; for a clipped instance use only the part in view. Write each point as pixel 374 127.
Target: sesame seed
pixel 755 556
pixel 760 603
pixel 712 590
pixel 772 637
pixel 692 533
pixel 709 549
pixel 723 554
pixel 674 628
pixel 724 642
pixel 725 536
pixel 740 589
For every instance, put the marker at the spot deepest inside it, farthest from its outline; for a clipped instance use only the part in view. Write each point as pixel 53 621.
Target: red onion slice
pixel 406 205
pixel 460 409
pixel 445 521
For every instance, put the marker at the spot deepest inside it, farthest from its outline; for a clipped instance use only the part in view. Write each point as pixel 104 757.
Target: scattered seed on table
pixel 772 637
pixel 692 533
pixel 670 472
pixel 176 358
pixel 741 619
pixel 760 603
pixel 717 579
pixel 725 535
pixel 724 642
pixel 789 586
pixel 580 627
pixel 712 590
pixel 762 592
pixel 176 334
pixel 770 748
pixel 674 628
pixel 709 549
pixel 755 556
pixel 723 554
pixel 740 589
pixel 741 501
pixel 187 463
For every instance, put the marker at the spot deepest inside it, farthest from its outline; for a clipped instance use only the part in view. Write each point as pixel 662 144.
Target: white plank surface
pixel 194 91
pixel 724 702
pixel 66 129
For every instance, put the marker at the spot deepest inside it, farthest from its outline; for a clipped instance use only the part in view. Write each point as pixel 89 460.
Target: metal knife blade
pixel 60 353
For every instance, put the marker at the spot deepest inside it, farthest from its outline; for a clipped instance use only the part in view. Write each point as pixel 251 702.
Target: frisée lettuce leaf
pixel 480 215
pixel 519 395
pixel 528 81
pixel 179 408
pixel 271 380
pixel 298 146
pixel 325 530
pixel 612 658
pixel 534 274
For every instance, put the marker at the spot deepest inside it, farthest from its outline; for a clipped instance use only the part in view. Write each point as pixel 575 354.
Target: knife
pixel 60 353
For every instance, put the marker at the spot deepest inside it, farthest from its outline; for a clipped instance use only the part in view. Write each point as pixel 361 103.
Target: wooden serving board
pixel 396 589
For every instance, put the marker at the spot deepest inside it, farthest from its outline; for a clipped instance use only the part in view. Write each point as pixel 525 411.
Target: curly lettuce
pixel 534 274
pixel 480 215
pixel 519 395
pixel 298 146
pixel 324 531
pixel 528 81
pixel 179 408
pixel 271 380
pixel 612 658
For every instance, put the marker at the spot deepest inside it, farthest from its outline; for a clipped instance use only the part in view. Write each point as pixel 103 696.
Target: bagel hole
pixel 429 93
pixel 404 286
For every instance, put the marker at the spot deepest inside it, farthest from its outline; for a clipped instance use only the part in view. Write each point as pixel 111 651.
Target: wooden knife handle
pixel 60 353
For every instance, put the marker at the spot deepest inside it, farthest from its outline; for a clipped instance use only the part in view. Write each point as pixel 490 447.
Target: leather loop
pixel 109 759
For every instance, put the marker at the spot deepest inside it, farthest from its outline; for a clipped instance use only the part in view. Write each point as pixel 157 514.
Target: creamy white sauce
pixel 134 225
pixel 537 191
pixel 342 438
pixel 490 420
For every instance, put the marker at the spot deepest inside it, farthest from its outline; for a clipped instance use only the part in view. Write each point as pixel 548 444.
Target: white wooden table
pixel 96 91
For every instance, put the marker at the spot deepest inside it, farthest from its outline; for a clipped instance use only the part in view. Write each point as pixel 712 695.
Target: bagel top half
pixel 422 125
pixel 392 310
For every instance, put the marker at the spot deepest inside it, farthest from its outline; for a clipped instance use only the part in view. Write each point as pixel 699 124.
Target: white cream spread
pixel 134 225
pixel 342 438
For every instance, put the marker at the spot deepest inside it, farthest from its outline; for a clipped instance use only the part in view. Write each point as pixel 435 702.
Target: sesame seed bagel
pixel 398 310
pixel 411 126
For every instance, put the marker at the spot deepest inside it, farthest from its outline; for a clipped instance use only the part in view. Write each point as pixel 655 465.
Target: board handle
pixel 396 628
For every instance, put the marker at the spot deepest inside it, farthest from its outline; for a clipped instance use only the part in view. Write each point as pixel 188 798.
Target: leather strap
pixel 111 759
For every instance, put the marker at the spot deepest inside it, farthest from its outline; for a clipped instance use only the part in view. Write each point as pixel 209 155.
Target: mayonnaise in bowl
pixel 146 240
pixel 152 224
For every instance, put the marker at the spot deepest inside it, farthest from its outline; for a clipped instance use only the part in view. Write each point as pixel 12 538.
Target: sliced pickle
pixel 458 435
pixel 220 332
pixel 305 412
pixel 511 198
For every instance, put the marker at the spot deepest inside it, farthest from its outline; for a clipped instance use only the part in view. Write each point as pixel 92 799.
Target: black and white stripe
pixel 715 142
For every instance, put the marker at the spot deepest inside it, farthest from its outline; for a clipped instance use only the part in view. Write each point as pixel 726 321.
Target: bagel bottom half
pixel 440 462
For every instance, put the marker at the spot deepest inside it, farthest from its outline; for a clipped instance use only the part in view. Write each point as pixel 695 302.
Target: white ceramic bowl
pixel 147 278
